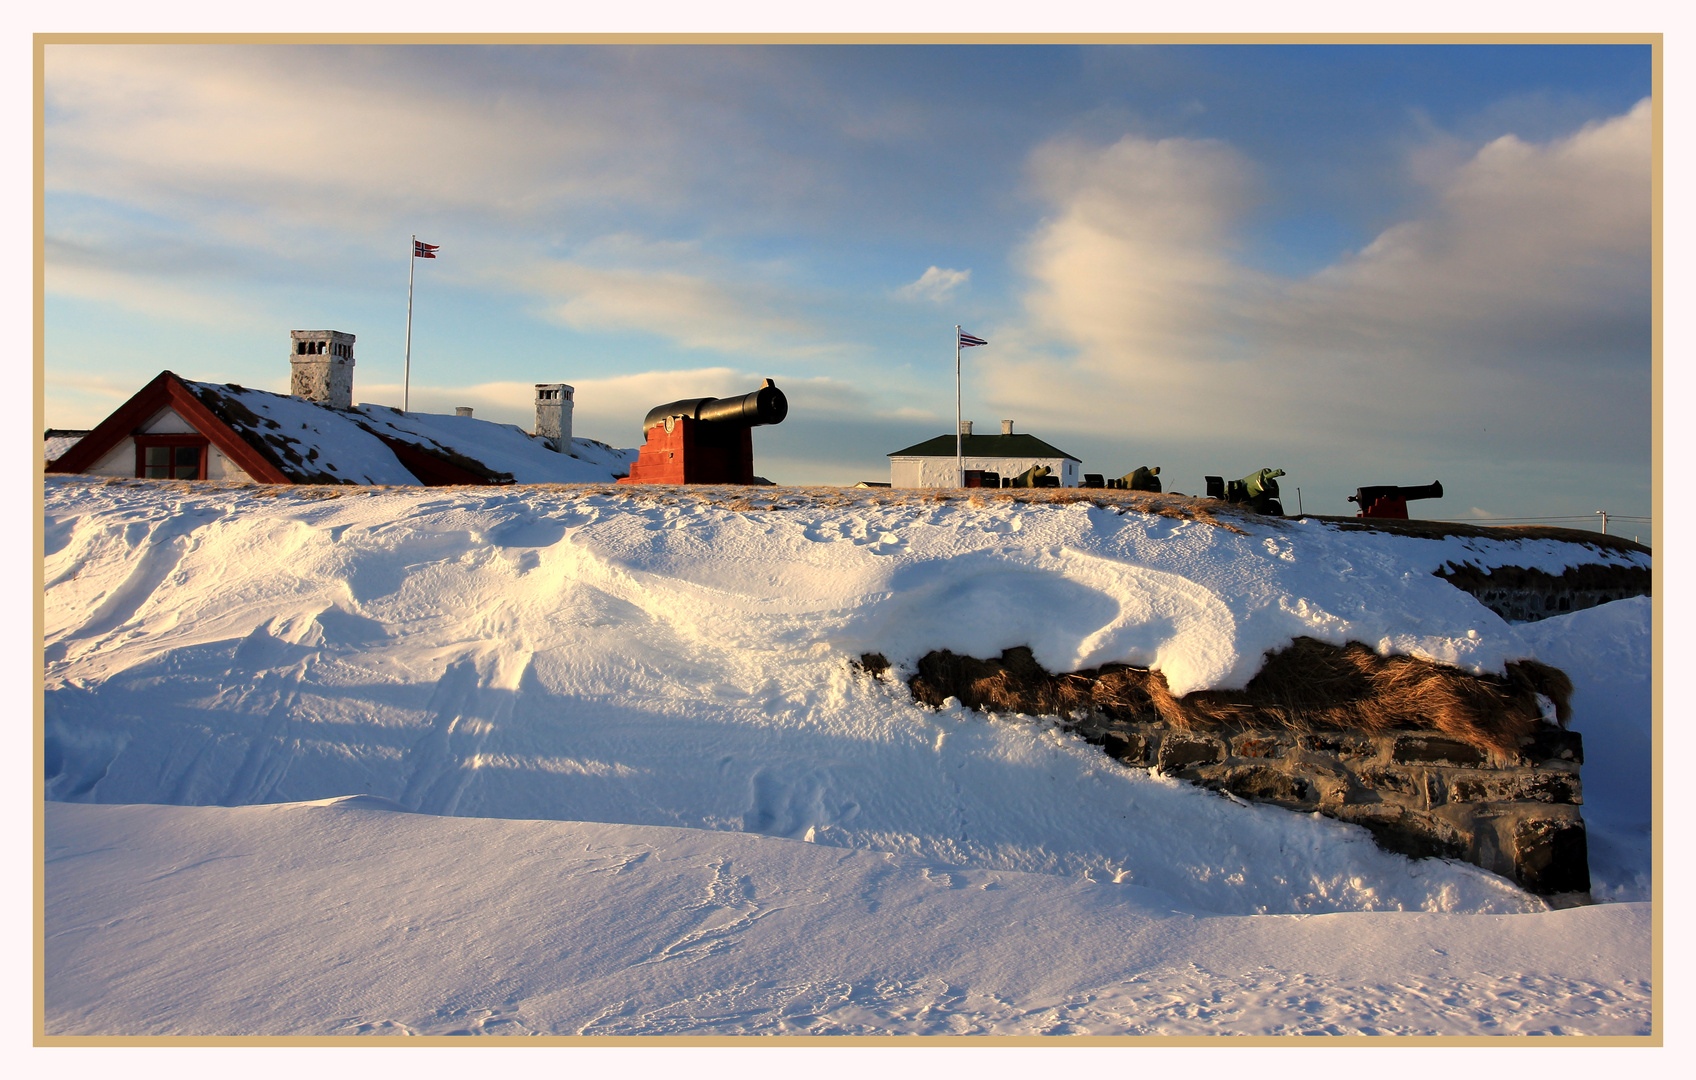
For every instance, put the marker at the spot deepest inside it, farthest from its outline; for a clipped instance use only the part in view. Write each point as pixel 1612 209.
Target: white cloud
pixel 694 310
pixel 1516 306
pixel 1136 259
pixel 260 140
pixel 194 301
pixel 1530 242
pixel 935 284
pixel 908 412
pixel 82 401
pixel 343 135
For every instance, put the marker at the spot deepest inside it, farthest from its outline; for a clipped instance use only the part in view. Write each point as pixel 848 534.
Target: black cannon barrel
pixel 1366 496
pixel 767 405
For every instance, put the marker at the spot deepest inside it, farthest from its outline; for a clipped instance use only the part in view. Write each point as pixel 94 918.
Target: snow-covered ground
pixel 349 919
pixel 713 823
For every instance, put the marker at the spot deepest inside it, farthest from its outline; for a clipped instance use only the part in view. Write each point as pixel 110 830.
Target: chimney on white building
pixel 462 410
pixel 321 367
pixel 1006 427
pixel 553 415
pixel 965 427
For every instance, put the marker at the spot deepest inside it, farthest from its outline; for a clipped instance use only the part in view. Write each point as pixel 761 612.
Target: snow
pixel 343 445
pixel 648 683
pixel 54 448
pixel 1605 650
pixel 331 442
pixel 319 919
pixel 504 448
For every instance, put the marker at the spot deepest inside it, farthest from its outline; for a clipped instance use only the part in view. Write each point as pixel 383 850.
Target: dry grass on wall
pixel 1310 685
pixel 743 498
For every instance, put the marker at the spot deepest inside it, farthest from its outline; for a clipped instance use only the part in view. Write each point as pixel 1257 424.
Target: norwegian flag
pixel 968 340
pixel 421 250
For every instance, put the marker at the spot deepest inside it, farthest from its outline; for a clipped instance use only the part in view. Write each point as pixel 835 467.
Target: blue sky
pixel 1362 264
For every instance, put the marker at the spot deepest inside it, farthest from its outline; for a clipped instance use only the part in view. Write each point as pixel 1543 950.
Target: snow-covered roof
pixel 315 444
pixel 504 449
pixel 289 439
pixel 57 442
pixel 307 442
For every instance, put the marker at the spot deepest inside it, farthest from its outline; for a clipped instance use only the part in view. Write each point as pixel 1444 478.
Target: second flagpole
pixel 406 377
pixel 959 423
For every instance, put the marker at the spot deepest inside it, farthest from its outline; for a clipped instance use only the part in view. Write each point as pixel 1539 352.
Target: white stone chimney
pixel 965 427
pixel 553 415
pixel 321 367
pixel 1006 427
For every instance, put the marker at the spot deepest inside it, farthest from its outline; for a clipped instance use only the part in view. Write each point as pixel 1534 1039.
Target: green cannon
pixel 1258 491
pixel 1032 477
pixel 1145 478
pixel 1261 491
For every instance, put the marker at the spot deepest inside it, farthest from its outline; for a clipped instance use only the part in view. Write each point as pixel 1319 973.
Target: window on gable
pixel 173 463
pixel 170 457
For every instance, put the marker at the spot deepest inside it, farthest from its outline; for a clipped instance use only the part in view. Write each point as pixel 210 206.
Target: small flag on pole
pixel 967 340
pixel 420 250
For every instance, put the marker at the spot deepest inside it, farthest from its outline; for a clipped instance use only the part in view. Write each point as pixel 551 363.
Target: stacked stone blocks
pixel 321 367
pixel 553 415
pixel 1419 793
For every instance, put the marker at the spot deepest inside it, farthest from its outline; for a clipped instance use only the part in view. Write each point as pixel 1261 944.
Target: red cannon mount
pixel 706 440
pixel 1389 501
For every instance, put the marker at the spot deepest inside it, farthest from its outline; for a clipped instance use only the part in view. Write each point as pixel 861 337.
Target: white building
pixel 932 463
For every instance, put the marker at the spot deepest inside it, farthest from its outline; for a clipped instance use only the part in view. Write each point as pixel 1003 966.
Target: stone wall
pixel 1506 800
pixel 1523 595
pixel 1419 793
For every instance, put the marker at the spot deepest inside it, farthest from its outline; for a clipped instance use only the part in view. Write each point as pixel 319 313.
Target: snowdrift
pixel 681 657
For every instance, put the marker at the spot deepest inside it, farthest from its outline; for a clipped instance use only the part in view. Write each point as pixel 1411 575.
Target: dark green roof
pixel 1017 446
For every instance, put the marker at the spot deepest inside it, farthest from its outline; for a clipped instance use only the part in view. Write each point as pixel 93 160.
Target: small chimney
pixel 462 410
pixel 321 367
pixel 1006 427
pixel 965 427
pixel 553 415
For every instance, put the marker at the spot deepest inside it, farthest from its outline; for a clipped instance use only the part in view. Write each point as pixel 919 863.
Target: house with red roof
pixel 180 429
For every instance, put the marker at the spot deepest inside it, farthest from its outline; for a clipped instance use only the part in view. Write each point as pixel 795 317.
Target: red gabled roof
pixel 165 391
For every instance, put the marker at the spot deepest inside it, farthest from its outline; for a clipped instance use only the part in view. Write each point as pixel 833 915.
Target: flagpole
pixel 959 438
pixel 406 379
